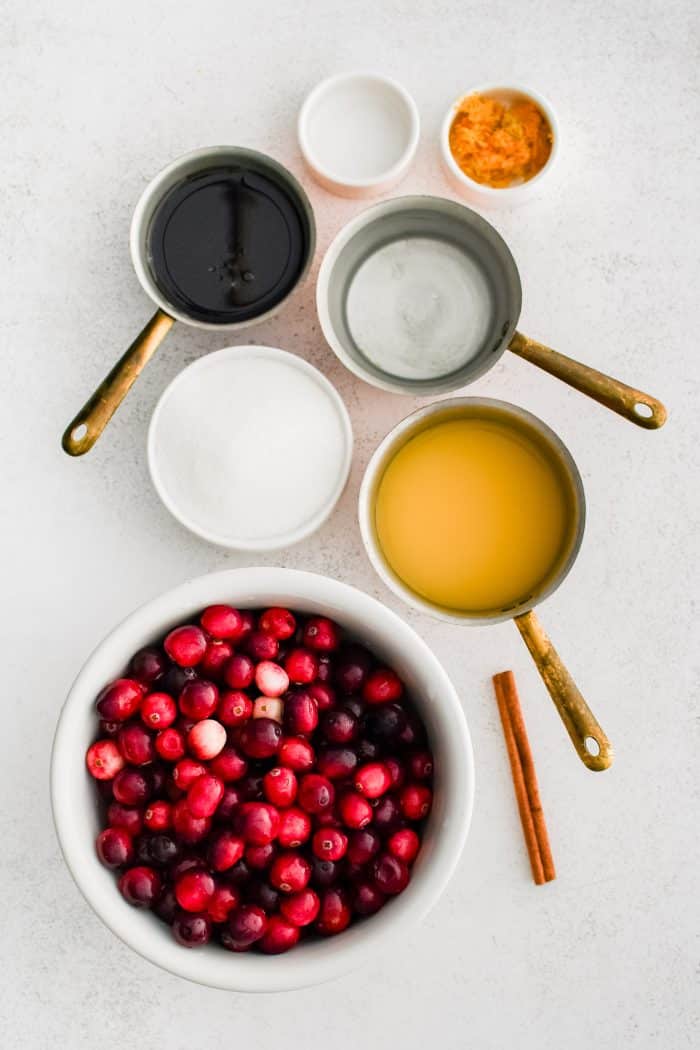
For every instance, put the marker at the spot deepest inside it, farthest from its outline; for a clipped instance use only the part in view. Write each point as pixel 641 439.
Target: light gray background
pixel 99 96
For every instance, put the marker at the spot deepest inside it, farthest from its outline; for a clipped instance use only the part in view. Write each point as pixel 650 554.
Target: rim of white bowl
pixel 501 193
pixel 283 539
pixel 73 792
pixel 368 182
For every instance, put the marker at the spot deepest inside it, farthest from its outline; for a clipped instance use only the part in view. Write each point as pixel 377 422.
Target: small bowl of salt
pixel 250 448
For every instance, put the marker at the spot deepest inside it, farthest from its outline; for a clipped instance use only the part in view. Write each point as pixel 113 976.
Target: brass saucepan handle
pixel 635 405
pixel 96 413
pixel 594 748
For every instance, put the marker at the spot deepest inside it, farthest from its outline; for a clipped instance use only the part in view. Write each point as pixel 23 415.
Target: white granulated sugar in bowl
pixel 250 447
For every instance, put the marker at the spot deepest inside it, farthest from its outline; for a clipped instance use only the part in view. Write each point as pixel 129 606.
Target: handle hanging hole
pixel 592 746
pixel 645 411
pixel 79 432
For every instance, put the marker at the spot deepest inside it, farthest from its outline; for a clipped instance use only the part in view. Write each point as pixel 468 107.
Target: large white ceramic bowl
pixel 74 802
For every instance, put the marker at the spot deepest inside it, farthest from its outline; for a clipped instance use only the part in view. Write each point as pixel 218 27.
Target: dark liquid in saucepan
pixel 228 244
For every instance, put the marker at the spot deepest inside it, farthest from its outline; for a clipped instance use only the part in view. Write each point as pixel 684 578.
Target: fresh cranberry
pixel 239 671
pixel 162 849
pixel 389 874
pixel 271 679
pixel 420 765
pixel 206 739
pixel 240 875
pixel 339 726
pixel 316 793
pixel 186 772
pixel 355 811
pixel 269 707
pixel 189 828
pixel 294 827
pixel 225 850
pixel 186 645
pixel 415 801
pixel 336 762
pixel 382 686
pixel 372 779
pixel 321 634
pixel 260 738
pixel 216 656
pixel 278 622
pixel 279 936
pixel 104 760
pixel 221 621
pixel 290 872
pixel 301 665
pixel 325 668
pixel 234 708
pixel 323 694
pixel 328 819
pixel 140 886
pixel 324 873
pixel 119 700
pixel 296 753
pixel 198 699
pixel 366 750
pixel 352 668
pixel 136 744
pixel 301 908
pixel 127 817
pixel 264 895
pixel 230 800
pixel 329 844
pixel 261 646
pixel 188 862
pixel 148 664
pixel 158 815
pixel 363 844
pixel 204 795
pixel 300 713
pixel 386 723
pixel 404 844
pixel 258 858
pixel 191 931
pixel 229 764
pixel 366 898
pixel 246 925
pixel 115 847
pixel 175 679
pixel 335 913
pixel 251 788
pixel 280 786
pixel 258 822
pixel 222 902
pixel 194 890
pixel 387 814
pixel 131 786
pixel 396 772
pixel 413 734
pixel 166 907
pixel 158 710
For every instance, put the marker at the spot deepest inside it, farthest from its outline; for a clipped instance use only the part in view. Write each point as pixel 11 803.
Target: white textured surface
pixel 96 98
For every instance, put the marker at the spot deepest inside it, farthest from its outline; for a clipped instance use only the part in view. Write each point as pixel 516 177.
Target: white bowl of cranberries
pixel 260 777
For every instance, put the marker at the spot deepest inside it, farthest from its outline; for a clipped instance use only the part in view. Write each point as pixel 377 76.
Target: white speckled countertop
pixel 97 97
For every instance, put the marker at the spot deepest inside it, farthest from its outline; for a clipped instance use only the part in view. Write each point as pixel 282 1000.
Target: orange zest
pixel 500 144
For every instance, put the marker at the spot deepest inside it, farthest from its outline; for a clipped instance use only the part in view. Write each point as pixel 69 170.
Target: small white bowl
pixel 358 133
pixel 74 798
pixel 232 384
pixel 492 196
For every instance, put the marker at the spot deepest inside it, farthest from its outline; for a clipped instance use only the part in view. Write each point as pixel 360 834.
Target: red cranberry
pixel 280 786
pixel 387 814
pixel 175 679
pixel 216 656
pixel 389 874
pixel 294 828
pixel 194 890
pixel 382 686
pixel 265 896
pixel 234 708
pixel 300 713
pixel 366 898
pixel 222 902
pixel 355 811
pixel 258 822
pixel 204 795
pixel 127 817
pixel 366 751
pixel 119 700
pixel 246 925
pixel 221 621
pixel 385 723
pixel 271 679
pixel 279 936
pixel 166 907
pixel 158 710
pixel 206 739
pixel 158 815
pixel 198 699
pixel 334 914
pixel 230 800
pixel 339 726
pixel 323 694
pixel 321 634
pixel 162 849
pixel 301 665
pixel 260 738
pixel 260 857
pixel 104 760
pixel 189 828
pixel 261 646
pixel 225 850
pixel 186 645
pixel 404 844
pixel 415 801
pixel 131 787
pixel 229 764
pixel 363 844
pixel 136 744
pixel 336 762
pixel 396 772
pixel 301 908
pixel 278 622
pixel 329 844
pixel 140 886
pixel 148 664
pixel 251 788
pixel 290 872
pixel 296 753
pixel 352 668
pixel 372 779
pixel 191 931
pixel 420 765
pixel 239 671
pixel 115 847
pixel 186 772
pixel 316 793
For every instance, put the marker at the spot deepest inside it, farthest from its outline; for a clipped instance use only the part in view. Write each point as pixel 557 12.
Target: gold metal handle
pixel 635 405
pixel 593 747
pixel 82 433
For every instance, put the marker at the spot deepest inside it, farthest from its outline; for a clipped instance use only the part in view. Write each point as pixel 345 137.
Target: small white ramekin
pixel 492 196
pixel 76 810
pixel 342 118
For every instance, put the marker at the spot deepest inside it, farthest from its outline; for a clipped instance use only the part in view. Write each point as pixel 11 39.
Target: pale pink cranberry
pixel 136 744
pixel 396 772
pixel 225 850
pixel 234 708
pixel 382 686
pixel 104 760
pixel 300 713
pixel 335 913
pixel 258 822
pixel 415 801
pixel 339 726
pixel 301 665
pixel 119 700
pixel 198 700
pixel 204 795
pixel 271 679
pixel 269 707
pixel 301 908
pixel 261 646
pixel 245 926
pixel 294 827
pixel 239 671
pixel 290 872
pixel 140 886
pixel 131 786
pixel 329 844
pixel 352 668
pixel 191 931
pixel 158 815
pixel 372 780
pixel 404 844
pixel 363 844
pixel 316 793
pixel 194 890
pixel 170 744
pixel 260 738
pixel 336 763
pixel 321 634
pixel 366 898
pixel 158 710
pixel 130 818
pixel 229 765
pixel 389 874
pixel 278 622
pixel 258 858
pixel 186 645
pixel 323 694
pixel 206 739
pixel 355 811
pixel 115 847
pixel 222 902
pixel 221 621
pixel 420 765
pixel 189 828
pixel 186 772
pixel 147 665
pixel 280 786
pixel 279 936
pixel 296 753
pixel 216 656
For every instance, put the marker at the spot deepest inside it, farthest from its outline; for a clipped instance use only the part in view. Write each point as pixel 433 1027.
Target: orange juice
pixel 475 512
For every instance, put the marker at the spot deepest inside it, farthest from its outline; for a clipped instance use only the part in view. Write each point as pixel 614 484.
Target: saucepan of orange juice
pixel 473 510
